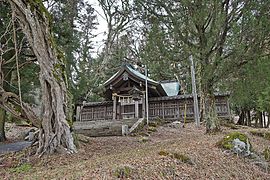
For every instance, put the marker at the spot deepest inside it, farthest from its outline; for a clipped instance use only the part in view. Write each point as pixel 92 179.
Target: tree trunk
pixel 202 107
pixel 2 125
pixel 248 118
pixel 256 121
pixel 260 119
pixel 211 118
pixel 264 120
pixel 241 117
pixel 268 120
pixel 55 132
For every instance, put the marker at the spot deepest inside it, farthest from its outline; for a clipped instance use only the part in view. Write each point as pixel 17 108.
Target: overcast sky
pixel 101 28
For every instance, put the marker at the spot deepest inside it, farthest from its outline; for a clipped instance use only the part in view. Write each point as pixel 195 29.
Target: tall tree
pixel 16 62
pixel 55 133
pixel 215 33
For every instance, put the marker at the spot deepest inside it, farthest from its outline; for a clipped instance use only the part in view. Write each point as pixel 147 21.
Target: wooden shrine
pixel 125 99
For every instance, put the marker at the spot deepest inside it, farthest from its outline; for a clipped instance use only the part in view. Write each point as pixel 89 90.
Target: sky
pixel 98 41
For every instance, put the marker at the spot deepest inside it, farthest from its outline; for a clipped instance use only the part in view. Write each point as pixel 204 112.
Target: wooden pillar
pixel 143 106
pixel 78 112
pixel 163 110
pixel 114 107
pixel 228 109
pixel 136 109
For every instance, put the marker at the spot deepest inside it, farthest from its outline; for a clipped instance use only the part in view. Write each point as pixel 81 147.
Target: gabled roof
pixel 130 69
pixel 168 88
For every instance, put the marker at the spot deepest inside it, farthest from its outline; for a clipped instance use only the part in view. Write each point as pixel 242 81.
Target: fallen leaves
pixel 101 156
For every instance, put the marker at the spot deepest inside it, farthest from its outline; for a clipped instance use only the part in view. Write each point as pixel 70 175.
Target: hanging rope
pixel 16 58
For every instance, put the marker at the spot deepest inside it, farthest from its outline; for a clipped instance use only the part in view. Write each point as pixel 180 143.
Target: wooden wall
pixel 170 108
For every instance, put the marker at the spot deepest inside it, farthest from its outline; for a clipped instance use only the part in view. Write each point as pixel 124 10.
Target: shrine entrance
pixel 131 106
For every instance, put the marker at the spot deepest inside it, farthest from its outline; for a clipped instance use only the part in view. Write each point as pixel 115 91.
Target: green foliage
pixel 251 89
pixel 22 168
pixel 226 142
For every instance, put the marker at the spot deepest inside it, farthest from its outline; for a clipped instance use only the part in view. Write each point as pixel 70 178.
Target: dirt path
pixel 14 147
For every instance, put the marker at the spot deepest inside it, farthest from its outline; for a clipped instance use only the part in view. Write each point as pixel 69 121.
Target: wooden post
pixel 114 107
pixel 228 109
pixel 143 106
pixel 125 130
pixel 163 110
pixel 78 112
pixel 146 96
pixel 136 109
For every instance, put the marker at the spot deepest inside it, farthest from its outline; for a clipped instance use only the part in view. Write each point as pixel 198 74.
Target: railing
pixel 96 113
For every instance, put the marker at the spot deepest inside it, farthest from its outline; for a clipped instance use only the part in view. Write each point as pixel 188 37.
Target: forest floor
pixel 168 153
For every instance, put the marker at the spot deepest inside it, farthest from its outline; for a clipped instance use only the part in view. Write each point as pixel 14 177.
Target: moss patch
pixel 183 158
pixel 264 134
pixel 266 153
pixel 22 168
pixel 163 153
pixel 143 139
pixel 152 129
pixel 153 124
pixel 226 142
pixel 123 172
pixel 230 125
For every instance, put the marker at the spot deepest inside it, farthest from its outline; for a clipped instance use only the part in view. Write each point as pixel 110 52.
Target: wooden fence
pixel 170 108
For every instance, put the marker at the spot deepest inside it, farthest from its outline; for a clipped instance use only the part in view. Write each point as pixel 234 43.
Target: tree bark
pixel 248 118
pixel 2 125
pixel 241 117
pixel 260 119
pixel 268 120
pixel 264 119
pixel 211 118
pixel 55 132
